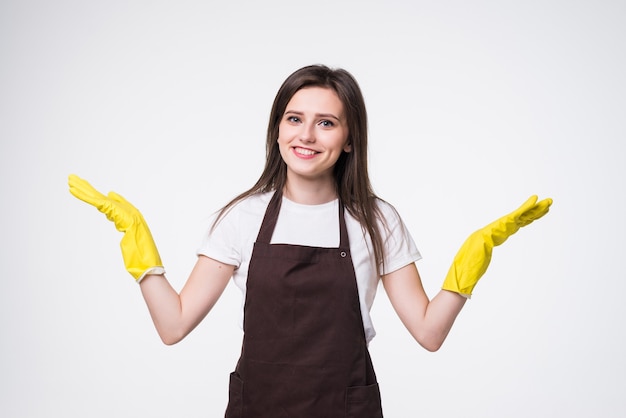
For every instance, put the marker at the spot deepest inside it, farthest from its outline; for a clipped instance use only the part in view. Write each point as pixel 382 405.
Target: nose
pixel 307 133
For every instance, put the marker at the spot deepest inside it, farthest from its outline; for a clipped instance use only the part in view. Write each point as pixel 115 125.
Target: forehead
pixel 316 99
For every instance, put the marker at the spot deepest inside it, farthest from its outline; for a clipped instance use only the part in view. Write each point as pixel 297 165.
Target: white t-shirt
pixel 232 241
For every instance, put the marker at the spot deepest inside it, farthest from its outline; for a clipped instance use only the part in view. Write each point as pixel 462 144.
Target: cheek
pixel 282 141
pixel 283 133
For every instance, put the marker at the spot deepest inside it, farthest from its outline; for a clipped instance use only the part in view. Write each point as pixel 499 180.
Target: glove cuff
pixel 454 290
pixel 152 270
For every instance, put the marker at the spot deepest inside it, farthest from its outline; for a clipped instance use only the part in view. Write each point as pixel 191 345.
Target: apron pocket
pixel 363 402
pixel 235 397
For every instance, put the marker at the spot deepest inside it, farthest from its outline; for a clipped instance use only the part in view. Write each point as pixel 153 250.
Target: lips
pixel 305 152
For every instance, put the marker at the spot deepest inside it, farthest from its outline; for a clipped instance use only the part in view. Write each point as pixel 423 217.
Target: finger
pixel 536 212
pixel 84 191
pixel 526 206
pixel 530 202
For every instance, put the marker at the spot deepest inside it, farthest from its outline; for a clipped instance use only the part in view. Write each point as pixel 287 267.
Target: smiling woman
pixel 312 136
pixel 307 245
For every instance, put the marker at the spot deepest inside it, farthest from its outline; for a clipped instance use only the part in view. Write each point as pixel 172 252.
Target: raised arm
pixel 173 314
pixel 429 321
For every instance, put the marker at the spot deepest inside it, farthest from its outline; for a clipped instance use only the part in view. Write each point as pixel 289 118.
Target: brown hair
pixel 351 175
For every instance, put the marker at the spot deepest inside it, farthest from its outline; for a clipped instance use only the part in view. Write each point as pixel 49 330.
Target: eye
pixel 293 119
pixel 326 123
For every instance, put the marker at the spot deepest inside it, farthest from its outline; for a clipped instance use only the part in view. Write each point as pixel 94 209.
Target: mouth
pixel 305 152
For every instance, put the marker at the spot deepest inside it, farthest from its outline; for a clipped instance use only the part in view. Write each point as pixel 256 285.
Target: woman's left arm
pixel 428 321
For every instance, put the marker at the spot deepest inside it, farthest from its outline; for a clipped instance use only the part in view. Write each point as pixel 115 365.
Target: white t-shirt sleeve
pixel 232 239
pixel 400 248
pixel 221 243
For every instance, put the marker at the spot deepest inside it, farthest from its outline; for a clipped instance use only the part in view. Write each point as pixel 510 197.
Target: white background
pixel 474 106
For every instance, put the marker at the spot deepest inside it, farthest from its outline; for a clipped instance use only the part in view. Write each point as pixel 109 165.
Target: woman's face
pixel 312 134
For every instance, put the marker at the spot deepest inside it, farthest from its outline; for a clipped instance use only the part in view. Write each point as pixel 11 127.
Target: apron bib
pixel 304 351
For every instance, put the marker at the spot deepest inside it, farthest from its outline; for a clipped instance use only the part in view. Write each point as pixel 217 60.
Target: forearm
pixel 438 318
pixel 428 321
pixel 165 307
pixel 176 315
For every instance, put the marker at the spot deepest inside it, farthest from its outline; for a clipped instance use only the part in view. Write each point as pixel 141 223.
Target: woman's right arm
pixel 176 315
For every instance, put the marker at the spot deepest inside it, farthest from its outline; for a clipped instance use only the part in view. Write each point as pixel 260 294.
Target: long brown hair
pixel 351 176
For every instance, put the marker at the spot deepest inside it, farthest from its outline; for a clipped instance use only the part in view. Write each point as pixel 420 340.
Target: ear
pixel 347 147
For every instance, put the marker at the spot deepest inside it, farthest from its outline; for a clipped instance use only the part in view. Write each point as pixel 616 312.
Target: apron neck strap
pixel 271 216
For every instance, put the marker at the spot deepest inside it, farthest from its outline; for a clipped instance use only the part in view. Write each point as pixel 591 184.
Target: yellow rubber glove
pixel 138 249
pixel 473 258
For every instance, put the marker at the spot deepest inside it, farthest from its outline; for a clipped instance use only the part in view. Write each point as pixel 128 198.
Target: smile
pixel 304 151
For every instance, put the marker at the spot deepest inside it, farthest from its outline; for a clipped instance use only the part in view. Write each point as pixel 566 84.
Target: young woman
pixel 307 245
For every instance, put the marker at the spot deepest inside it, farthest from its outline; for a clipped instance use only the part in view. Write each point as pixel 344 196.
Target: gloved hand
pixel 138 249
pixel 473 258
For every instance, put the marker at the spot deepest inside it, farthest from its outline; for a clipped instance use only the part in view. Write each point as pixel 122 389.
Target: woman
pixel 307 245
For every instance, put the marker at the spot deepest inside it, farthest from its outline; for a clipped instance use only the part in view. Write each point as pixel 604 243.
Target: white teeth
pixel 303 151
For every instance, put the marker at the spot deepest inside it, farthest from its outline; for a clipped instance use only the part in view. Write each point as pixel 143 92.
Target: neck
pixel 309 192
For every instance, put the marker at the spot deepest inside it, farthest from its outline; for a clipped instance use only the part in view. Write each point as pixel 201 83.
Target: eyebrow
pixel 318 115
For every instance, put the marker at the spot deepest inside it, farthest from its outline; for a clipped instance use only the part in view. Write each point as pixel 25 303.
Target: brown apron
pixel 304 352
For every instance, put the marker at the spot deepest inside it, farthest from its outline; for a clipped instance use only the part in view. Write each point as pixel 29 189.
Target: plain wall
pixel 473 107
